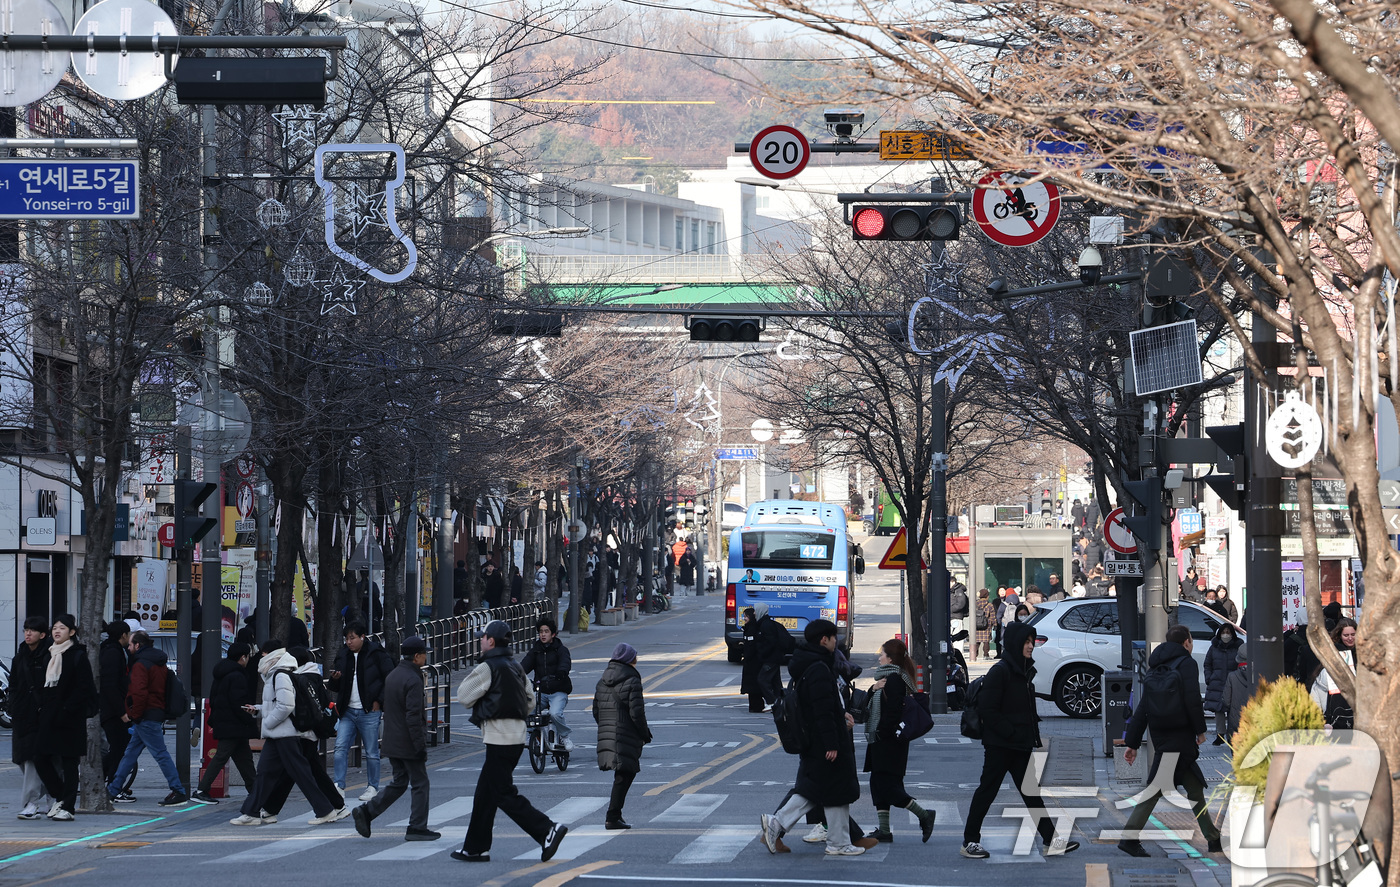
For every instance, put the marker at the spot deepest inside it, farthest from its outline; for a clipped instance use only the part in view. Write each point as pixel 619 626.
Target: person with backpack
pixel 886 753
pixel 406 744
pixel 958 607
pixel 1172 709
pixel 231 722
pixel 1220 661
pixel 147 710
pixel 1005 706
pixel 309 712
pixel 67 699
pixel 986 617
pixel 826 774
pixel 774 642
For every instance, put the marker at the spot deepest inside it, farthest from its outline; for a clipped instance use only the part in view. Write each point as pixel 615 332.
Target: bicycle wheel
pixel 538 753
pixel 1287 879
pixel 561 760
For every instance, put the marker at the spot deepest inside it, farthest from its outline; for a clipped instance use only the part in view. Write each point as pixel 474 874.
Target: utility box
pixel 1117 706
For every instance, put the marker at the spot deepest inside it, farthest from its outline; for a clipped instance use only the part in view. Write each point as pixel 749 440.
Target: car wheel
pixel 1078 691
pixel 736 653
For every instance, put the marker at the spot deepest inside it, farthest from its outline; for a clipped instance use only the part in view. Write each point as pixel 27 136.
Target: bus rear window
pixel 788 548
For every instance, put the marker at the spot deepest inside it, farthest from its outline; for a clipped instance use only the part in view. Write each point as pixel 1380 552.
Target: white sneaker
pixel 769 829
pixel 848 850
pixel 368 793
pixel 974 850
pixel 1061 846
pixel 30 810
pixel 568 744
pixel 817 835
pixel 57 806
pixel 268 818
pixel 62 816
pixel 245 819
pixel 329 817
pixel 341 813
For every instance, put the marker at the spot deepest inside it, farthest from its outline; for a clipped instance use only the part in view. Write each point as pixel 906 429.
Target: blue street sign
pixel 1190 520
pixel 69 189
pixel 746 454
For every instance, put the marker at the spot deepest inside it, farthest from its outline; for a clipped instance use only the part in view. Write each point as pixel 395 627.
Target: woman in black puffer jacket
pixel 620 712
pixel 1220 661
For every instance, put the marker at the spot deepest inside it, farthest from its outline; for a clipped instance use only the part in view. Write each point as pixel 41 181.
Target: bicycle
pixel 1356 866
pixel 541 740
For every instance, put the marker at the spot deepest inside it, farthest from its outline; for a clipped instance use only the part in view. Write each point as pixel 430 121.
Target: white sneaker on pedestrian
pixel 57 806
pixel 974 850
pixel 329 817
pixel 769 829
pixel 268 818
pixel 817 835
pixel 1061 846
pixel 62 816
pixel 848 850
pixel 367 794
pixel 568 744
pixel 245 819
pixel 341 813
pixel 30 811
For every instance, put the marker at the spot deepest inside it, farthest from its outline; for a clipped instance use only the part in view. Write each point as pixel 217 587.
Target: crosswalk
pixel 696 820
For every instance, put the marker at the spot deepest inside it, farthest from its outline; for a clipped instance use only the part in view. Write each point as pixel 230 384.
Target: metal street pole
pixel 1155 618
pixel 442 586
pixel 1263 598
pixel 937 608
pixel 263 611
pixel 575 541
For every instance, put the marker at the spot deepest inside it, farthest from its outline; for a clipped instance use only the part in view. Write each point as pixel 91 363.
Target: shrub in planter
pixel 1276 707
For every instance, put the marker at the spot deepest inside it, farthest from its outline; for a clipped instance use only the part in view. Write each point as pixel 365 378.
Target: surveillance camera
pixel 842 122
pixel 996 287
pixel 1090 266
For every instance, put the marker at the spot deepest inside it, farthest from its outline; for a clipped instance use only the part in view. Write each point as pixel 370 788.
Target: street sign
pixel 779 152
pixel 1117 534
pixel 69 189
pixel 1328 493
pixel 742 454
pixel 1392 518
pixel 166 535
pixel 1115 567
pixel 1012 213
pixel 1390 494
pixel 897 555
pixel 243 498
pixel 1327 522
pixel 909 144
pixel 1190 520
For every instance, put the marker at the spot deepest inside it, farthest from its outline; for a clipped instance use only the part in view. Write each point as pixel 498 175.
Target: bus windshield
pixel 788 548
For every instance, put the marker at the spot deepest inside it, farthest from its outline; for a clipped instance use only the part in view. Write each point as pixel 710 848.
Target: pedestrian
pixel 67 699
pixel 775 642
pixel 282 752
pixel 113 666
pixel 826 773
pixel 1010 731
pixel 886 755
pixel 22 696
pixel 550 661
pixel 1210 600
pixel 460 581
pixel 232 724
pixel 1178 724
pixel 494 589
pixel 1238 689
pixel 620 712
pixel 957 607
pixel 687 564
pixel 361 668
pixel 1056 589
pixel 145 710
pixel 1325 691
pixel 749 684
pixel 405 744
pixel 986 619
pixel 499 697
pixel 517 585
pixel 297 635
pixel 1220 661
pixel 1187 587
pixel 1226 607
pixel 273 801
pixel 541 580
pixel 1023 613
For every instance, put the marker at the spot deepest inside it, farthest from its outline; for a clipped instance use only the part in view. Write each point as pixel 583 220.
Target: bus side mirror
pixel 860 565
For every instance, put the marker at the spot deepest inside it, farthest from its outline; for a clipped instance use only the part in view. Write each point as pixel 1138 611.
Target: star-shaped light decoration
pixel 367 209
pixel 299 125
pixel 339 291
pixel 941 276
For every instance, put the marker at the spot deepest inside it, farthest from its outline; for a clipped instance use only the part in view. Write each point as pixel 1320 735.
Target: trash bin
pixel 1117 708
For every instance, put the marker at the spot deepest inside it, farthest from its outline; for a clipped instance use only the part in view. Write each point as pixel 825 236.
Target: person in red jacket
pixel 145 711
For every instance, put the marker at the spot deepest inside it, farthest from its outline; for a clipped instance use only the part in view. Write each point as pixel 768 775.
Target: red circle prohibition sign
pixel 1013 214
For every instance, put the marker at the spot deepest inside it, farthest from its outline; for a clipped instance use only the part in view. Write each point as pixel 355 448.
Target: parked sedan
pixel 1077 640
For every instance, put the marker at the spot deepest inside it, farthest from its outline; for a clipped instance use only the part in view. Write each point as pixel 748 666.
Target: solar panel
pixel 1165 358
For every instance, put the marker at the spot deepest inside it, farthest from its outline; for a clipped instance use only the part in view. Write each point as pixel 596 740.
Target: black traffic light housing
pixel 1230 484
pixel 705 328
pixel 529 324
pixel 190 525
pixel 251 81
pixel 904 221
pixel 1146 523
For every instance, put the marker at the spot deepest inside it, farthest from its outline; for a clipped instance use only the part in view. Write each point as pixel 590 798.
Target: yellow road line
pixel 682 667
pixel 682 780
pixel 565 877
pixel 505 879
pixel 730 769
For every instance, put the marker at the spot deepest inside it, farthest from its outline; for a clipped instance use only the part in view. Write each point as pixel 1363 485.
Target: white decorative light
pixel 299 271
pixel 258 296
pixel 272 213
pixel 1293 433
pixel 299 125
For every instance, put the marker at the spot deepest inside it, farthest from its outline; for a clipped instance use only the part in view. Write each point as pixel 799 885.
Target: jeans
pixel 365 724
pixel 557 701
pixel 407 772
pixel 146 735
pixel 495 789
pixel 997 762
pixel 837 819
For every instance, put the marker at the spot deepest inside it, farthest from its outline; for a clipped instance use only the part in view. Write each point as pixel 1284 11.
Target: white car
pixel 1077 640
pixel 732 516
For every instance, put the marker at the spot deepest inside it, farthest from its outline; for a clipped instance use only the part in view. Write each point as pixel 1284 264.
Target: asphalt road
pixel 713 768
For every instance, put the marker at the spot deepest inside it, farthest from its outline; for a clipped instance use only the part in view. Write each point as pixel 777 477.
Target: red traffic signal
pixel 905 222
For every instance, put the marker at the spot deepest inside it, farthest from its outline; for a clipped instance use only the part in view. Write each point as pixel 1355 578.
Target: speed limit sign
pixel 779 152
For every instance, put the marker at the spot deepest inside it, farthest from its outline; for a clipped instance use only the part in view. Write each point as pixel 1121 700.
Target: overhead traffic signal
pixel 902 221
pixel 724 329
pixel 528 324
pixel 1146 524
pixel 190 525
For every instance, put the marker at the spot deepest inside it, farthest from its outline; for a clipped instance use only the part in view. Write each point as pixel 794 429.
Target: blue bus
pixel 798 558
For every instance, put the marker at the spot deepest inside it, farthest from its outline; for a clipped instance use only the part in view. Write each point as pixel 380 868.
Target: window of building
pixel 711 237
pixel 680 234
pixel 695 235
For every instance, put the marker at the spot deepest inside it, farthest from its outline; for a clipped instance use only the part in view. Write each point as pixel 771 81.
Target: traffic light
pixel 1047 505
pixel 1230 484
pixel 902 221
pixel 190 525
pixel 529 324
pixel 724 329
pixel 1146 525
pixel 251 81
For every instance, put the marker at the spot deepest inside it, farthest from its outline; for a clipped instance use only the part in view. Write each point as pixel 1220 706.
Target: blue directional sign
pixel 1190 520
pixel 69 189
pixel 745 454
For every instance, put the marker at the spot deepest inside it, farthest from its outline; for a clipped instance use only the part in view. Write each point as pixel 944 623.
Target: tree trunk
pixel 101 508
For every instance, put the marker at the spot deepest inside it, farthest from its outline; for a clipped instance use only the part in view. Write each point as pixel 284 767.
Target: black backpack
pixel 312 712
pixel 982 620
pixel 971 724
pixel 787 717
pixel 177 700
pixel 1161 693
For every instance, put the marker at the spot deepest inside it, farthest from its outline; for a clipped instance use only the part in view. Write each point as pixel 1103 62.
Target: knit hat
pixel 412 646
pixel 624 653
pixel 135 624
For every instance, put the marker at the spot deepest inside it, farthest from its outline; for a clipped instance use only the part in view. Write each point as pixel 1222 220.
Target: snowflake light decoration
pixel 299 125
pixel 339 291
pixel 272 213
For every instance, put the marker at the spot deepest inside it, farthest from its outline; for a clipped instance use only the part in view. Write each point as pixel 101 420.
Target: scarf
pixel 55 669
pixel 872 721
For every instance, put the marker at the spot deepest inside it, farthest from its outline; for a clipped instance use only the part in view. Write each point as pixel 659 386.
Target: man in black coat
pixel 495 586
pixel 26 680
pixel 826 776
pixel 550 661
pixel 113 663
pixel 1178 729
pixel 405 744
pixel 231 699
pixel 774 642
pixel 1010 731
pixel 361 668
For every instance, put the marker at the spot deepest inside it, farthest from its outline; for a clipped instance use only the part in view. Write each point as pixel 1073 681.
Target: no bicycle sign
pixel 1013 213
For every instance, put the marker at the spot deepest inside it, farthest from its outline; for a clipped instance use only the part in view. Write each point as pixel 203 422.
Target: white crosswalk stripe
pixel 691 808
pixel 453 809
pixel 720 843
pixel 1001 842
pixel 576 843
pixel 949 817
pixel 571 810
pixel 281 847
pixel 416 850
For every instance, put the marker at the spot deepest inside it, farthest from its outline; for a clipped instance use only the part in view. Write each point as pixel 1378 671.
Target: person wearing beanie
pixel 620 712
pixel 498 694
pixel 231 699
pixel 64 697
pixel 550 661
pixel 405 744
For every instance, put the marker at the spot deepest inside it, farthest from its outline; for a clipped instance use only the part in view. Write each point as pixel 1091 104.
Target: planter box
pixel 629 613
pixel 610 617
pixel 1246 824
